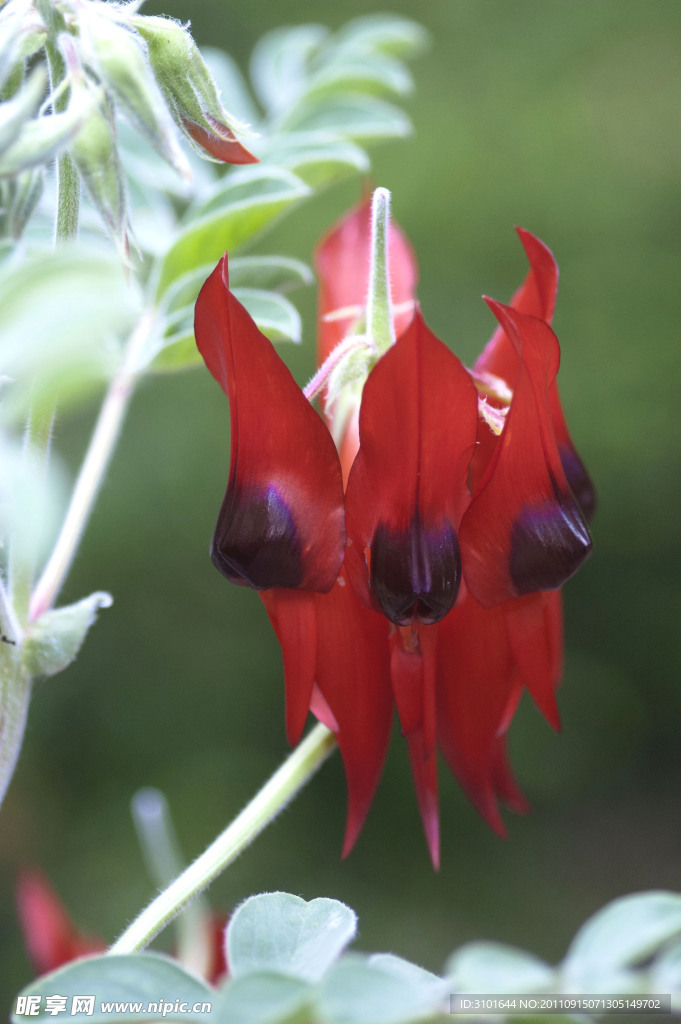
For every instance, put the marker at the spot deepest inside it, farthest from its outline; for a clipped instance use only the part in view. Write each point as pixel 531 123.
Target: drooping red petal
pixel 407 489
pixel 50 937
pixel 281 521
pixel 535 297
pixel 353 677
pixel 342 265
pixel 523 530
pixel 504 783
pixel 293 615
pixel 221 143
pixel 575 471
pixel 476 681
pixel 533 646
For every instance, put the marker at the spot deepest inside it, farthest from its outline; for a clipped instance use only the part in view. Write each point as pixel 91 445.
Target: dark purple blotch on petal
pixel 415 573
pixel 255 541
pixel 549 542
pixel 579 481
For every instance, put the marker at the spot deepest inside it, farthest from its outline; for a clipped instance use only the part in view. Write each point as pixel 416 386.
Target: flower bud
pixel 118 57
pixel 190 90
pixel 96 157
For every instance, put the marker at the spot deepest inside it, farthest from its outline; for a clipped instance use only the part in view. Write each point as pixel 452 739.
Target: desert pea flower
pixel 462 524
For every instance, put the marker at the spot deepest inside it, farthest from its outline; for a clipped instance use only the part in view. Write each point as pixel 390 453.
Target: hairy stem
pixel 287 781
pixel 380 327
pixel 102 444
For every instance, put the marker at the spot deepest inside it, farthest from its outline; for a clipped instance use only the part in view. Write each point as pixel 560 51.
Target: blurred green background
pixel 563 117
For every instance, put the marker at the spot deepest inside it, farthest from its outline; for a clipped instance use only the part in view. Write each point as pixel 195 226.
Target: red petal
pixel 533 643
pixel 342 265
pixel 424 773
pixel 50 937
pixel 281 522
pixel 353 676
pixel 535 297
pixel 523 530
pixel 575 471
pixel 407 489
pixel 221 143
pixel 505 785
pixel 476 681
pixel 294 618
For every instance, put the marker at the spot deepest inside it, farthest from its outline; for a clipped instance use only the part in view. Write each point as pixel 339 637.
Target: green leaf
pixel 625 932
pixel 280 932
pixel 357 991
pixel 358 117
pixel 378 76
pixel 248 201
pixel 279 64
pixel 494 967
pixel 15 112
pixel 232 84
pixel 276 317
pixel 417 977
pixel 665 973
pixel 54 640
pixel 32 498
pixel 274 273
pixel 144 978
pixel 265 998
pixel 179 352
pixel 61 316
pixel 385 33
pixel 317 157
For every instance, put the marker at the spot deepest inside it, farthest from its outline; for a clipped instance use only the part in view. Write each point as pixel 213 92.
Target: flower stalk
pixel 287 781
pixel 102 445
pixel 380 326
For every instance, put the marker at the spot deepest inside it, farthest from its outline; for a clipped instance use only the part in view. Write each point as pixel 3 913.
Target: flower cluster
pixel 418 560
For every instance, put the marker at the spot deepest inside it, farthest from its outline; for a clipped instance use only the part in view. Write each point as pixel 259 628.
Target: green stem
pixel 15 694
pixel 102 445
pixel 286 782
pixel 380 328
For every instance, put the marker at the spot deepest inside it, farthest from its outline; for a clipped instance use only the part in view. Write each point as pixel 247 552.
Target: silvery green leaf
pixel 380 76
pixel 274 273
pixel 317 157
pixel 359 991
pixel 382 33
pixel 265 998
pixel 625 932
pixel 53 641
pixel 95 154
pixel 18 198
pixel 276 931
pixel 279 64
pixel 276 317
pixel 358 117
pixel 494 967
pixel 247 200
pixel 62 316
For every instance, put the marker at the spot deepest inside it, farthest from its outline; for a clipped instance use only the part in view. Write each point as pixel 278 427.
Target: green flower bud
pixel 190 90
pixel 118 57
pixel 94 152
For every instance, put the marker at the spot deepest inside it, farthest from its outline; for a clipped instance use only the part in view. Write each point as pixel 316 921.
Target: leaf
pixel 276 317
pixel 317 157
pixel 417 977
pixel 379 76
pixel 357 991
pixel 274 273
pixel 280 932
pixel 250 199
pixel 265 998
pixel 665 973
pixel 55 639
pixel 623 933
pixel 279 64
pixel 32 499
pixel 385 33
pixel 232 84
pixel 62 314
pixel 359 117
pixel 489 967
pixel 144 978
pixel 15 112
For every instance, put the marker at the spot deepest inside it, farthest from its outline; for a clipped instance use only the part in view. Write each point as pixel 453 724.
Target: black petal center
pixel 549 542
pixel 415 573
pixel 255 541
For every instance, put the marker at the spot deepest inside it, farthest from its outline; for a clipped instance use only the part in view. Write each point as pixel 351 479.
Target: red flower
pixel 52 939
pixel 458 536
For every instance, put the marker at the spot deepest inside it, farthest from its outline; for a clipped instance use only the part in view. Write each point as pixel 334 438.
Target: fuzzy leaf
pixel 359 117
pixel 143 978
pixel 249 199
pixel 494 967
pixel 55 639
pixel 382 33
pixel 317 157
pixel 279 65
pixel 276 317
pixel 625 932
pixel 358 991
pixel 265 998
pixel 280 932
